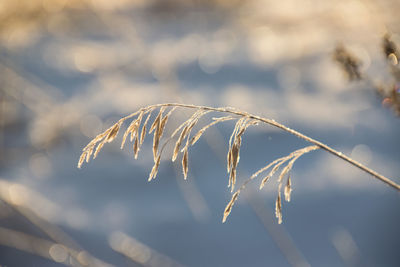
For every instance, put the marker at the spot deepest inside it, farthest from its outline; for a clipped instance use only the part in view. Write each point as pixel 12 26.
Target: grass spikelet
pixel 192 122
pixel 143 131
pixel 126 133
pixel 264 181
pixel 229 156
pixel 162 125
pixel 156 140
pixel 113 132
pixel 179 142
pixel 136 147
pixel 232 179
pixel 89 153
pixel 154 170
pixel 234 161
pixel 159 125
pixel 228 161
pixel 196 118
pixel 233 155
pixel 185 164
pixel 278 207
pixel 229 206
pixel 142 134
pixel 188 124
pixel 132 129
pixel 98 148
pixel 133 134
pixel 288 189
pixel 237 125
pixel 157 120
pixel 82 159
pixel 95 140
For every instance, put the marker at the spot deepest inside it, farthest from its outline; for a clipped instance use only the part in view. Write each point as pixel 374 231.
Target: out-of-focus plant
pixel 388 91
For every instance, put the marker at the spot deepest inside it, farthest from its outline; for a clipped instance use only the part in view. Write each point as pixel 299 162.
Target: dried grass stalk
pixel 229 206
pixel 244 120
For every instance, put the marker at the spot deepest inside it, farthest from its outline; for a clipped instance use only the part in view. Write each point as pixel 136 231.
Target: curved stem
pixel 291 131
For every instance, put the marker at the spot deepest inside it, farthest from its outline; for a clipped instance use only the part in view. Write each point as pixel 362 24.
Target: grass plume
pixel 243 121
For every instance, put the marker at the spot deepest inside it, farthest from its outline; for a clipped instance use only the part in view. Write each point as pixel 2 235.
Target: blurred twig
pixel 16 197
pixel 277 232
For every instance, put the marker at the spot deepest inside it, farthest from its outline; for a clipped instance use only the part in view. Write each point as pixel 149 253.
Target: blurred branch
pixel 20 198
pixel 34 245
pixel 277 232
pixel 139 252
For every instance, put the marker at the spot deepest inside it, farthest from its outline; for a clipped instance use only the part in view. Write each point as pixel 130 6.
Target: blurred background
pixel 69 69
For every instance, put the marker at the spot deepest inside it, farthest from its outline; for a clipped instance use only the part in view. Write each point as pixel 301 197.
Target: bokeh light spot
pixel 362 153
pixel 58 253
